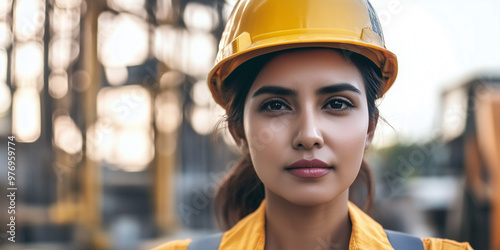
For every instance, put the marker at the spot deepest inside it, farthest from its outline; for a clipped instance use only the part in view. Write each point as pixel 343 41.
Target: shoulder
pixel 444 244
pixel 174 245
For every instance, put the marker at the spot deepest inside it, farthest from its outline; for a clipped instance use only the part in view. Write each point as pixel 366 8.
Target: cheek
pixel 267 138
pixel 263 132
pixel 347 139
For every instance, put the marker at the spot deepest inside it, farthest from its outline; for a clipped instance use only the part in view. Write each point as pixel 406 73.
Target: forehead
pixel 307 67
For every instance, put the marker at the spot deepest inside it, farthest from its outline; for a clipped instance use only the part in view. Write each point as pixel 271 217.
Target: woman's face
pixel 306 125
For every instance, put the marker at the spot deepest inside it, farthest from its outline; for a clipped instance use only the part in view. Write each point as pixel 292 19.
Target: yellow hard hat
pixel 258 27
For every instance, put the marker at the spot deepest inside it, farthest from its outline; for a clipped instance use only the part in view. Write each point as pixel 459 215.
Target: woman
pixel 298 80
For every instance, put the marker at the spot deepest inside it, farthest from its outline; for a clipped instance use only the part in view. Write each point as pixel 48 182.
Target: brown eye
pixel 338 105
pixel 274 105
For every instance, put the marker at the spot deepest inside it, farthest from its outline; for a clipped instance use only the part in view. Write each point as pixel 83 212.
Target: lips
pixel 309 168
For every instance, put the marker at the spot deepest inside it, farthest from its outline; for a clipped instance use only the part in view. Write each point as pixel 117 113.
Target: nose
pixel 308 133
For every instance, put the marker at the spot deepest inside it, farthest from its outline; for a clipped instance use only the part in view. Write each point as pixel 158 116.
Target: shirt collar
pixel 366 232
pixel 249 233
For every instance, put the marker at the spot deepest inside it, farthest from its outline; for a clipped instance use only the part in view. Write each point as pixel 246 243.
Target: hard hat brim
pixel 242 50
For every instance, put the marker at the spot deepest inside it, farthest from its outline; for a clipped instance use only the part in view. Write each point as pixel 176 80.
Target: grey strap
pixel 399 241
pixel 210 242
pixel 402 241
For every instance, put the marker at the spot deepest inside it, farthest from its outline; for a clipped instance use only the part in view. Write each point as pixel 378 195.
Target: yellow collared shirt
pixel 249 234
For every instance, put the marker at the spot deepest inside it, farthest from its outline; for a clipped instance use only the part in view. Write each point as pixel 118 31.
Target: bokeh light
pixel 125 106
pixel 168 112
pixel 190 52
pixel 100 139
pixel 80 80
pixel 5 35
pixel 123 40
pixel 201 94
pixel 62 52
pixel 67 135
pixel 171 79
pixel 3 65
pixel 455 113
pixel 65 20
pixel 122 135
pixel 200 17
pixel 28 64
pixel 29 19
pixel 26 117
pixel 133 149
pixel 5 98
pixel 58 84
pixel 68 3
pixel 116 75
pixel 203 119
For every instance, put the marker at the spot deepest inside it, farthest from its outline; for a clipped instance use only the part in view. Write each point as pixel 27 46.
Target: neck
pixel 290 226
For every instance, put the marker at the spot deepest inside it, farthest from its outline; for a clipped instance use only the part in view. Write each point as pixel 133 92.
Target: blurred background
pixel 114 122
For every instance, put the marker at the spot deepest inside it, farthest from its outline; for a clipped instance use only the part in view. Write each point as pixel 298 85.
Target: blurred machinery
pixel 113 119
pixel 471 132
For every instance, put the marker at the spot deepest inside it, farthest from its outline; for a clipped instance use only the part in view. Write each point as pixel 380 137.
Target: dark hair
pixel 242 191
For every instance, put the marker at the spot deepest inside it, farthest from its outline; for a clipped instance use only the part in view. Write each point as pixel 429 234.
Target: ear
pixel 372 125
pixel 238 135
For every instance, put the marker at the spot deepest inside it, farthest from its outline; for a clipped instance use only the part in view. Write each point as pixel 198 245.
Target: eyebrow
pixel 337 88
pixel 275 90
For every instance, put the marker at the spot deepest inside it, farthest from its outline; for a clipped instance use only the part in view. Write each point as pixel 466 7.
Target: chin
pixel 309 202
pixel 311 197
